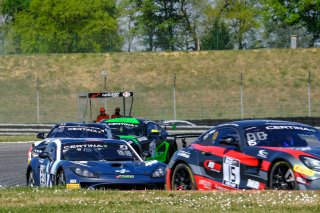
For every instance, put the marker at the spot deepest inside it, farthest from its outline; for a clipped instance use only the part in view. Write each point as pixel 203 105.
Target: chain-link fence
pixel 46 88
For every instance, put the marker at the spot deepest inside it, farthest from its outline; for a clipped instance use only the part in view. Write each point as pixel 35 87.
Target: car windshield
pixel 125 129
pixel 77 132
pixel 282 136
pixel 97 151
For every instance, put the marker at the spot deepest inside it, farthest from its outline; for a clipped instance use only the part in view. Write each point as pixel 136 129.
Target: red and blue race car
pixel 249 154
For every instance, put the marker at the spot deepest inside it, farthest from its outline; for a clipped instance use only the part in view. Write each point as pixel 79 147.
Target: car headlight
pixel 159 172
pixel 311 163
pixel 83 172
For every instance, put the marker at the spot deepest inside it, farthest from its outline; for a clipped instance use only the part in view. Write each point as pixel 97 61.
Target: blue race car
pixel 94 163
pixel 69 130
pixel 249 154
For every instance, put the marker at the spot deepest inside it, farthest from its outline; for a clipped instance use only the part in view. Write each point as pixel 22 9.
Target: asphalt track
pixel 13 163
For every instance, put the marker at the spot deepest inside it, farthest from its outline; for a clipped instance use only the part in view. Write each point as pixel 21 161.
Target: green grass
pixel 208 84
pixel 60 200
pixel 17 138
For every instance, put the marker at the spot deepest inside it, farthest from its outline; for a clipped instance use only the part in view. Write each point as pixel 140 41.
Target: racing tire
pixel 282 177
pixel 30 179
pixel 61 179
pixel 182 178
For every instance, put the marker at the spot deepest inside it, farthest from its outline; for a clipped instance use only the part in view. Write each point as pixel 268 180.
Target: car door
pixel 218 159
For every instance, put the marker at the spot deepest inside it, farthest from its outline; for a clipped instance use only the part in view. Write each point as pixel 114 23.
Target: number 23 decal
pixel 231 172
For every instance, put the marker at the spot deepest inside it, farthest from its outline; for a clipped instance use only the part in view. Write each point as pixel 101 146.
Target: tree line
pixel 73 26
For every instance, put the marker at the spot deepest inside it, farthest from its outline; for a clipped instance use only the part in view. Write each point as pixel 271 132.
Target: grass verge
pixel 61 200
pixel 17 138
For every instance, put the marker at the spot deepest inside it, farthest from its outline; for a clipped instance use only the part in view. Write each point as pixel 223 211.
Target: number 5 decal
pixel 231 172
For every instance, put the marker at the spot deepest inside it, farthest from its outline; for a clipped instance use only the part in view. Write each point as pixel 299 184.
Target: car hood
pixel 119 167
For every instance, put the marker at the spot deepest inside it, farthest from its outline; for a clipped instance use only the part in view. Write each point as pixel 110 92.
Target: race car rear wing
pixel 94 95
pixel 184 139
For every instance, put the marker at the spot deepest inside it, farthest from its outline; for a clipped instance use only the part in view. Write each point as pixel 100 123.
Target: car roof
pixel 261 122
pixel 97 125
pixel 83 140
pixel 125 120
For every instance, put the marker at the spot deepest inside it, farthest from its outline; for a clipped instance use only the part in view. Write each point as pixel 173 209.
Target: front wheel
pixel 30 179
pixel 182 178
pixel 282 177
pixel 61 178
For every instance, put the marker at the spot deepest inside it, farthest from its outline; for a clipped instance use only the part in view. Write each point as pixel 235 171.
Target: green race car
pixel 147 137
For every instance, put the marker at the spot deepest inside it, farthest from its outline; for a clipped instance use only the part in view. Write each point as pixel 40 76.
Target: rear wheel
pixel 182 178
pixel 30 179
pixel 282 177
pixel 61 178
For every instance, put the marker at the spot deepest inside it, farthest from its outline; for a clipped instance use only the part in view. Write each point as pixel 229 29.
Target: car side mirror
pixel 45 155
pixel 145 155
pixel 229 140
pixel 40 135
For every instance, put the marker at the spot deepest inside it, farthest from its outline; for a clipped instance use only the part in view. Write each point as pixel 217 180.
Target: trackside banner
pixel 110 94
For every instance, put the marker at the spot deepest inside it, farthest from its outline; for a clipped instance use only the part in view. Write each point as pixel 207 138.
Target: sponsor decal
pixel 215 135
pixel 80 146
pixel 42 173
pixel 183 154
pixel 121 124
pixel 123 147
pixel 303 170
pixel 253 184
pixel 73 186
pixel 122 171
pixel 212 166
pixel 125 176
pixel 142 139
pixel 150 163
pixel 205 184
pixel 263 153
pixel 290 127
pixel 73 181
pixel 85 129
pixel 111 94
pixel 231 172
pixel 126 94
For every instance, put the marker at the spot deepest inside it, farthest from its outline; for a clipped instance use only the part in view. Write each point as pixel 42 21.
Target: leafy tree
pixel 128 21
pixel 217 37
pixel 54 26
pixel 194 17
pixel 294 13
pixel 9 8
pixel 241 15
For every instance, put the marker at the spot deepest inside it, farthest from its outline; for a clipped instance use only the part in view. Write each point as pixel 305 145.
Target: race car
pixel 95 164
pixel 249 154
pixel 144 135
pixel 69 130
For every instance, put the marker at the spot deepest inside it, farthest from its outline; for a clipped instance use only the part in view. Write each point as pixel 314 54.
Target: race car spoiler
pixel 110 94
pixel 184 137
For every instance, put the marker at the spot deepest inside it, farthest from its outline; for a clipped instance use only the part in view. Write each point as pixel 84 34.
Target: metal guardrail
pixel 33 129
pixel 23 129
